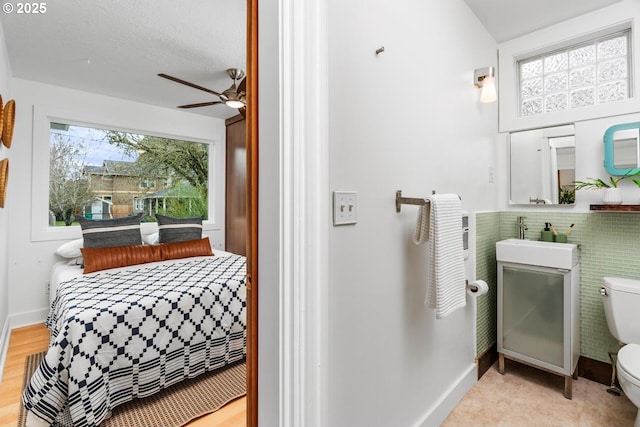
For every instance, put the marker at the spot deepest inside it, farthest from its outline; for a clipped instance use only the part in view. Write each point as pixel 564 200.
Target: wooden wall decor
pixel 1 116
pixel 4 176
pixel 8 118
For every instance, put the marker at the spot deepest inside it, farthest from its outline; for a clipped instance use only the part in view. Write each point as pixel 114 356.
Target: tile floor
pixel 526 396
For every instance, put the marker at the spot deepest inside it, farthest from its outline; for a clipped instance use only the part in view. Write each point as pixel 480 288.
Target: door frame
pixel 252 212
pixel 296 212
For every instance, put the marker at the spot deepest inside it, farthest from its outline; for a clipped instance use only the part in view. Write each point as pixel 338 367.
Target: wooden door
pixel 236 186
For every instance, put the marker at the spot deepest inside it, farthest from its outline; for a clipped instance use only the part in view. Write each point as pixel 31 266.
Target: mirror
pixel 542 166
pixel 622 149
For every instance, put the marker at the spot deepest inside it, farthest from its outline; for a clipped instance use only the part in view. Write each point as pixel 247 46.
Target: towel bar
pixel 410 200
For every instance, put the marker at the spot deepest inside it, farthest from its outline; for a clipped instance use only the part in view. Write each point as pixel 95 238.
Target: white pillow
pixel 70 249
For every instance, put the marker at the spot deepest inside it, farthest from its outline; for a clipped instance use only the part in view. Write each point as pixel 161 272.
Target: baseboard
pixel 28 318
pixel 17 321
pixel 439 412
pixel 595 370
pixel 487 359
pixel 4 346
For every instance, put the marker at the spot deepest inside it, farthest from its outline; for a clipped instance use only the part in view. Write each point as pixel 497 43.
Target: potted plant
pixel 567 195
pixel 611 191
pixel 637 182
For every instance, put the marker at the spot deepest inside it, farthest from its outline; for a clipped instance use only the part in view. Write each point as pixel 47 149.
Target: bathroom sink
pixel 534 252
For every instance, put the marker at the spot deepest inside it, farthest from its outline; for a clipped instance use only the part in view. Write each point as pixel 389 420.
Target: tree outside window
pixel 98 173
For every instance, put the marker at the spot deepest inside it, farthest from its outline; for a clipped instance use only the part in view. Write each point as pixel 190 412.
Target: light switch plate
pixel 345 207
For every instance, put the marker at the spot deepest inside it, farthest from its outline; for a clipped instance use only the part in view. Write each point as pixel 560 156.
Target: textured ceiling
pixel 508 19
pixel 117 48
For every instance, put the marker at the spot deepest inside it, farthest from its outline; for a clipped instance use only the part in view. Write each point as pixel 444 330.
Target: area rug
pixel 172 407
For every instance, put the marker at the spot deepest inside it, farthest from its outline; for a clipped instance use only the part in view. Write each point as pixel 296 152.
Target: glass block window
pixel 595 72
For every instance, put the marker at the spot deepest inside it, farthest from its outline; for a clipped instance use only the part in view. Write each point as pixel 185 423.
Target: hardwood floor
pixel 32 339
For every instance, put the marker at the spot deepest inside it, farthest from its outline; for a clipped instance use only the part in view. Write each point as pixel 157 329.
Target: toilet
pixel 621 298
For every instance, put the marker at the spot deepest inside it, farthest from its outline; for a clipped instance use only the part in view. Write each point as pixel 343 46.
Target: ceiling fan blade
pixel 201 104
pixel 242 87
pixel 193 85
pixel 242 92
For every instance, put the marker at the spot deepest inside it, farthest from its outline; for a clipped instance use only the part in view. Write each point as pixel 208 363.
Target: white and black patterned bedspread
pixel 120 335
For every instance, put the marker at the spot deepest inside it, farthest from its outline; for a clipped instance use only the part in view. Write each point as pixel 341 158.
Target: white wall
pixel 5 91
pixel 409 119
pixel 30 260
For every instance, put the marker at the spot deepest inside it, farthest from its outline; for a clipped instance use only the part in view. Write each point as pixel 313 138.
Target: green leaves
pixel 594 183
pixel 597 183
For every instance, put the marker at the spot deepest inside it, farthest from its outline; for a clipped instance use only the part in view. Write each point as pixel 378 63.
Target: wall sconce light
pixel 484 78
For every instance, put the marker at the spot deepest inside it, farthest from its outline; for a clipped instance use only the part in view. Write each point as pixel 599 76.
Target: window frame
pixel 565 49
pixel 43 116
pixel 147 183
pixel 610 20
pixel 136 202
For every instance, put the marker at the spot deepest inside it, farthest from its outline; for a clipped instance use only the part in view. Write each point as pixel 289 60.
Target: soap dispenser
pixel 546 235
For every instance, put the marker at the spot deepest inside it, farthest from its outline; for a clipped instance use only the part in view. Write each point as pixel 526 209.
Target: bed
pixel 124 333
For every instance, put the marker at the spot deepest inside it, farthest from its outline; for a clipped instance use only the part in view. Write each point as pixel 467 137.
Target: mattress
pixel 66 270
pixel 125 333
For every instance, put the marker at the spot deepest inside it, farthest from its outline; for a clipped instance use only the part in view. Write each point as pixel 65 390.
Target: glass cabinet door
pixel 532 313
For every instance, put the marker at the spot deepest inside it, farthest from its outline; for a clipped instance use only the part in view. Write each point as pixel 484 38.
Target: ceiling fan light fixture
pixel 232 98
pixel 234 103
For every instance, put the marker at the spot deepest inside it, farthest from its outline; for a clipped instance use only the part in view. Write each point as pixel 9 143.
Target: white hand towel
pixel 446 289
pixel 421 234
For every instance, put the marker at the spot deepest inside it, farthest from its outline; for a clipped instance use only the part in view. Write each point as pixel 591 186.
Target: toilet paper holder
pixel 470 286
pixel 477 287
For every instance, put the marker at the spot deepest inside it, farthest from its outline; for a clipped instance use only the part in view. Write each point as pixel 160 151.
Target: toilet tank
pixel 621 299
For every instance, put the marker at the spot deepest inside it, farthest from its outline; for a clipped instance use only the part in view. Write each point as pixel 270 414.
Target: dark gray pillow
pixel 179 229
pixel 105 233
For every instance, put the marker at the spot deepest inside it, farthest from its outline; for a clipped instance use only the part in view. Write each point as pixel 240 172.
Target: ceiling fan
pixel 234 97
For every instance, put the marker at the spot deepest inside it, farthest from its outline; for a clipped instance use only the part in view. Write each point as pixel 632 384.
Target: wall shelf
pixel 615 208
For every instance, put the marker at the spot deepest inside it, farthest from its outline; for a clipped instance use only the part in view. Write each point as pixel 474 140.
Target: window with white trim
pixel 584 74
pixel 138 204
pixel 95 173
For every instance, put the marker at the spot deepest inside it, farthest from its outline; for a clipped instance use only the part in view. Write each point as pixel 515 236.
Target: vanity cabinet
pixel 538 317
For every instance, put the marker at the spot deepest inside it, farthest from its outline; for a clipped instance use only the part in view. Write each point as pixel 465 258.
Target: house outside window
pixel 581 75
pixel 100 208
pixel 97 173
